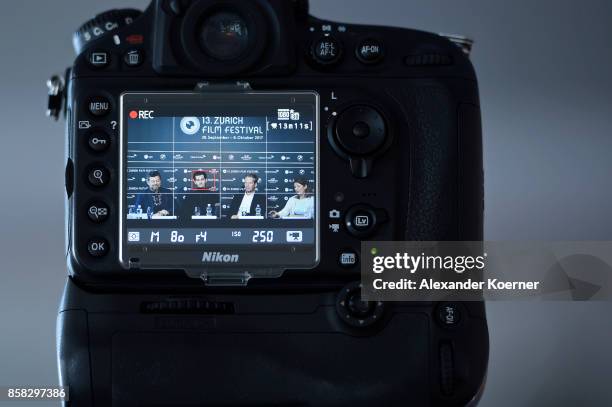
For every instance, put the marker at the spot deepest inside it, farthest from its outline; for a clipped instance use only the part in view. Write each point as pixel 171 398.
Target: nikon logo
pixel 217 257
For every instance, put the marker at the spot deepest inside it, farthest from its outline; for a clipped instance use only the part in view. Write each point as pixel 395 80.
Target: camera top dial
pixel 102 25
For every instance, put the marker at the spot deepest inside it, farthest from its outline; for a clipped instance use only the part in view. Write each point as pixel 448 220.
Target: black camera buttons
pixel 356 312
pixel 448 314
pixel 98 59
pixel 99 141
pixel 326 50
pixel 98 212
pixel 370 51
pixel 133 58
pixel 99 106
pixel 98 177
pixel 98 247
pixel 361 220
pixel 348 258
pixel 361 130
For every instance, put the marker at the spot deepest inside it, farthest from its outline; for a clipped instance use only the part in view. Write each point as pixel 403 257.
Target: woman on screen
pixel 299 206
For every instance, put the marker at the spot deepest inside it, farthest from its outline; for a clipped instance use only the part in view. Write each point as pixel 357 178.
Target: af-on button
pixel 370 51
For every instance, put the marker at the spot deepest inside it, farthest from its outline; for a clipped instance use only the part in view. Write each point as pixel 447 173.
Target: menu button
pixel 99 106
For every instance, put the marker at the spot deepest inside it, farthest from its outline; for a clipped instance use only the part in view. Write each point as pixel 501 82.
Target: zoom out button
pixel 98 212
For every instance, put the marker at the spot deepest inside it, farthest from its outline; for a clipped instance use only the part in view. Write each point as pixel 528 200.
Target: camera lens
pixel 224 36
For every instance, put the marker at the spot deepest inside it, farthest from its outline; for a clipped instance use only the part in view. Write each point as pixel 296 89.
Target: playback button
pixel 98 59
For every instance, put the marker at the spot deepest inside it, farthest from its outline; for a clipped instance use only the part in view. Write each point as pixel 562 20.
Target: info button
pixel 348 258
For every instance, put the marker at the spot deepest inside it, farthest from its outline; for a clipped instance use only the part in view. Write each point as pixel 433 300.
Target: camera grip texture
pixel 443 135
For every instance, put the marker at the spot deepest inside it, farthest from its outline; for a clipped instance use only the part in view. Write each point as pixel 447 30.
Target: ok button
pixel 98 247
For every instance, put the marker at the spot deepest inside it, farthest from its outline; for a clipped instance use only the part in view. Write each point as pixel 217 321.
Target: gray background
pixel 544 69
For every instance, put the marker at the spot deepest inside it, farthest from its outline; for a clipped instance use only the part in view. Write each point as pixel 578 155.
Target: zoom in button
pixel 98 177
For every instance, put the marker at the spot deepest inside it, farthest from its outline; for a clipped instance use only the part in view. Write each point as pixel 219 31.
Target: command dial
pixel 101 25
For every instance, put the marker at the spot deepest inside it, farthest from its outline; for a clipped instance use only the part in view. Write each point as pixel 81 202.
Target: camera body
pixel 396 154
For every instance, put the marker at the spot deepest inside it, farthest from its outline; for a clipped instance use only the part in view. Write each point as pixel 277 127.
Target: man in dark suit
pixel 157 200
pixel 201 196
pixel 246 204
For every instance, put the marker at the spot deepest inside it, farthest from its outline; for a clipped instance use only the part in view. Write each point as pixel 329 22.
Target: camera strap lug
pixel 56 86
pixel 465 43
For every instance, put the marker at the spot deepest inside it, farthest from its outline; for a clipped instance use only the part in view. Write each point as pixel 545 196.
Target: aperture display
pixel 225 170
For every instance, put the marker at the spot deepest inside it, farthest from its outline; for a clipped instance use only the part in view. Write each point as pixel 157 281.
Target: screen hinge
pixel 238 86
pixel 228 279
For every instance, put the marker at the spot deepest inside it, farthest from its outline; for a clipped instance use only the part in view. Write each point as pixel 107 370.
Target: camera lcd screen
pixel 219 180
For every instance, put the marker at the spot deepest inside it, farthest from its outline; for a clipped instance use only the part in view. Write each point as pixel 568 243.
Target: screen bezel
pixel 194 269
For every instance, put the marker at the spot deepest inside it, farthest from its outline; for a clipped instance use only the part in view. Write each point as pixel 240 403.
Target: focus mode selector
pixel 356 312
pixel 326 50
pixel 102 25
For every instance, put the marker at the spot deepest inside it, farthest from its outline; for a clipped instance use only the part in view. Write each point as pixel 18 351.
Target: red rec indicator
pixel 135 39
pixel 133 114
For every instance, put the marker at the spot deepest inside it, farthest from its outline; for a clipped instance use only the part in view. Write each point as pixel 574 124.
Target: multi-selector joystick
pixel 359 135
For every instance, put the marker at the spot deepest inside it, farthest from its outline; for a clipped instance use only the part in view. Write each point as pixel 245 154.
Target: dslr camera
pixel 224 161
